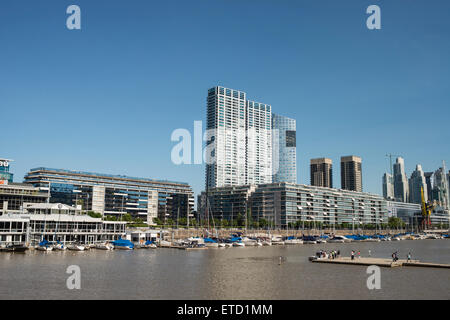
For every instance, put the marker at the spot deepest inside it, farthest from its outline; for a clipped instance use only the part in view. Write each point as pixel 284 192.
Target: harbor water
pixel 225 273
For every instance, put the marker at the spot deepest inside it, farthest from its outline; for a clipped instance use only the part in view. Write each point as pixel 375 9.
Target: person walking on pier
pixel 359 254
pixel 409 257
pixel 370 254
pixel 353 255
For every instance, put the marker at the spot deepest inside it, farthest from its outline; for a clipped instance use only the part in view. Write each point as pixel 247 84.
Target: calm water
pixel 232 273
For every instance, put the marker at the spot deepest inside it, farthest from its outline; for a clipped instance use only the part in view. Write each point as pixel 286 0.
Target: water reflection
pixel 232 273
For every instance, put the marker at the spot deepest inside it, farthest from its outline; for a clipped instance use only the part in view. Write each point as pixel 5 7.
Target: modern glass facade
pixel 114 195
pixel 240 139
pixel 5 176
pixel 284 148
pixel 283 203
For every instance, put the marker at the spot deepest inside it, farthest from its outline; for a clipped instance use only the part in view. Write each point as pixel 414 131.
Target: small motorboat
pixel 292 240
pixel 16 248
pixel 76 247
pixel 309 240
pixel 59 246
pixel 123 244
pixel 104 246
pixel 336 239
pixel 44 245
pixel 238 244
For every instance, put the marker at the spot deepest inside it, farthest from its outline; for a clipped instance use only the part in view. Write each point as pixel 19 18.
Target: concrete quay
pixel 381 262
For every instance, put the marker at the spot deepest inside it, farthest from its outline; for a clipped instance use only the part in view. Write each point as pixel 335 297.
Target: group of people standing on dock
pixel 329 255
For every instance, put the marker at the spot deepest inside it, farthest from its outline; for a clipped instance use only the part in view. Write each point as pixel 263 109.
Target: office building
pixel 227 203
pixel 322 172
pixel 388 186
pixel 284 148
pixel 351 173
pixel 114 195
pixel 14 195
pixel 417 183
pixel 56 222
pixel 401 187
pixel 283 203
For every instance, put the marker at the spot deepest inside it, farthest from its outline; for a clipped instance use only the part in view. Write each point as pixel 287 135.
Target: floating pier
pixel 381 262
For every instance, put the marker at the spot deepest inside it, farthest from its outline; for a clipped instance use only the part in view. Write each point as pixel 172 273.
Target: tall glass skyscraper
pixel 284 148
pixel 416 183
pixel 401 188
pixel 388 186
pixel 239 139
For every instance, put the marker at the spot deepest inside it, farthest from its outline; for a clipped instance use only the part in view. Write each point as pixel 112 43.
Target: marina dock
pixel 381 262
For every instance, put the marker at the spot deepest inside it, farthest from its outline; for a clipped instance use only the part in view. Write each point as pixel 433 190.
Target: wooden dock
pixel 381 262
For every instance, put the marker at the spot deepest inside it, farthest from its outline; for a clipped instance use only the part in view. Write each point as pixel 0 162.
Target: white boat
pixel 222 245
pixel 277 241
pixel 293 241
pixel 396 239
pixel 60 247
pixel 266 243
pixel 248 242
pixel 339 239
pixel 43 248
pixel 164 243
pixel 76 247
pixel 238 244
pixel 259 244
pixel 44 245
pixel 104 246
pixel 228 244
pixel 321 241
pixel 212 244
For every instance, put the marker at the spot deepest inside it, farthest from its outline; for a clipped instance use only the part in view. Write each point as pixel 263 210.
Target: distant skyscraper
pixel 440 187
pixel 284 149
pixel 239 139
pixel 401 191
pixel 388 186
pixel 322 172
pixel 351 173
pixel 416 183
pixel 429 181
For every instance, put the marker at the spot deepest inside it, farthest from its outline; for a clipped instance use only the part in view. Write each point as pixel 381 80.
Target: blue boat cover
pixel 123 243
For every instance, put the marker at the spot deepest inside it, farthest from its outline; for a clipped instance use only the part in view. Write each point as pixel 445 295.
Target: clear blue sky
pixel 107 98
